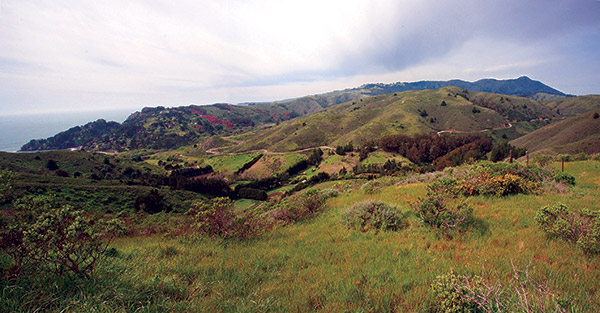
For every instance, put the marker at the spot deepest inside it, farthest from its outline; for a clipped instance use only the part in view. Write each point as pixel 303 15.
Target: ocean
pixel 17 130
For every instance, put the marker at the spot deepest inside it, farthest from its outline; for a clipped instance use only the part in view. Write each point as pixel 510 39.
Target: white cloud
pixel 135 53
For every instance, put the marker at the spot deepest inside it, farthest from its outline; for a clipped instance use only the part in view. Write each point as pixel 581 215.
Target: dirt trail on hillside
pixel 454 131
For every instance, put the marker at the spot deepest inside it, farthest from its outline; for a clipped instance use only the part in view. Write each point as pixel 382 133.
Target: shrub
pixel 6 185
pixel 443 212
pixel 42 237
pixel 61 173
pixel 375 185
pixel 472 293
pixel 216 218
pixel 373 214
pixel 564 178
pixel 51 165
pixel 453 293
pixel 581 228
pixel 329 193
pixel 542 160
pixel 68 241
pixel 442 208
pixel 298 206
pixel 487 178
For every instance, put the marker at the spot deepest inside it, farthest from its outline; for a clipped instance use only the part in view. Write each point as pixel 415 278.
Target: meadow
pixel 318 264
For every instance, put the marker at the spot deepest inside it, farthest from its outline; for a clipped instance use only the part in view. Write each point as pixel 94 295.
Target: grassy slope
pixel 317 264
pixel 272 164
pixel 380 157
pixel 370 118
pixel 575 105
pixel 573 135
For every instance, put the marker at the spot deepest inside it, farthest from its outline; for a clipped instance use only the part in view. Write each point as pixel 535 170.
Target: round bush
pixel 373 214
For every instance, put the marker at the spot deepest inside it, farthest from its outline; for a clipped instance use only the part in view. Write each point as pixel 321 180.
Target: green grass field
pixel 229 163
pixel 320 265
pixel 380 157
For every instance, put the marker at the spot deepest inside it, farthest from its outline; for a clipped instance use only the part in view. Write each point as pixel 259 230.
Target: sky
pixel 80 55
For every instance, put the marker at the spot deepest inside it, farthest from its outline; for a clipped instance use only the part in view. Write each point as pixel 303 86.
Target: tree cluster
pixel 427 148
pixel 342 150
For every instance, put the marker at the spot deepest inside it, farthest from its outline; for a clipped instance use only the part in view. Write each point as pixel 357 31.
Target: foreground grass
pixel 321 265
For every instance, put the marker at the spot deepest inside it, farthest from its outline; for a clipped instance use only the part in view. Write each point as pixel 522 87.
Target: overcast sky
pixel 65 55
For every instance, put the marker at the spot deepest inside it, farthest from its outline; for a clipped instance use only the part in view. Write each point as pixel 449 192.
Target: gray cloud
pixel 60 54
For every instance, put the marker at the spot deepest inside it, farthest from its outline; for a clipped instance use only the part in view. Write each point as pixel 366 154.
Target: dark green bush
pixel 581 228
pixel 251 193
pixel 51 165
pixel 6 185
pixel 150 202
pixel 501 151
pixel 564 178
pixel 373 214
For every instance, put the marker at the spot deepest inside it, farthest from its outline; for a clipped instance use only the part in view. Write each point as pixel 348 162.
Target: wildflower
pixel 357 283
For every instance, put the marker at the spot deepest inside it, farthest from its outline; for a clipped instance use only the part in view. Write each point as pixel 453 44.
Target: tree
pixel 315 157
pixel 501 151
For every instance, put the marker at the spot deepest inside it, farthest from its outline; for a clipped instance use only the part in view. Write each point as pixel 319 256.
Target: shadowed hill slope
pixel 573 135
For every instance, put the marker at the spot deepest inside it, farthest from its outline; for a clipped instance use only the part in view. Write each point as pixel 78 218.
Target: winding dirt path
pixel 454 131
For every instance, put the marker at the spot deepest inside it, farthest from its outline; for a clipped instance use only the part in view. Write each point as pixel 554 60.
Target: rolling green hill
pixel 167 128
pixel 448 109
pixel 573 135
pixel 575 105
pixel 160 128
pixel 522 86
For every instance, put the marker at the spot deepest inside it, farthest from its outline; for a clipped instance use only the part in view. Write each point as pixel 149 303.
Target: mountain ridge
pixel 160 127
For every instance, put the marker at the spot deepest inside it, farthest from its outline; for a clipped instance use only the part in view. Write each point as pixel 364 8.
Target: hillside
pixel 450 109
pixel 73 137
pixel 573 135
pixel 522 86
pixel 166 128
pixel 574 106
pixel 160 128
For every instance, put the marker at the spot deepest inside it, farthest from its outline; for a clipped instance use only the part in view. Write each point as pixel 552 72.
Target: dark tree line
pixel 442 150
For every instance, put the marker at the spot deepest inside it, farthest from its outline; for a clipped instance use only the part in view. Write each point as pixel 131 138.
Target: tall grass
pixel 321 265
